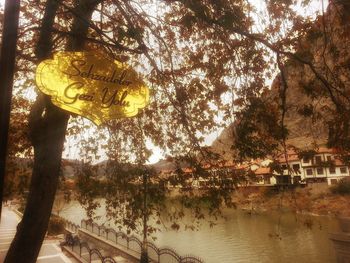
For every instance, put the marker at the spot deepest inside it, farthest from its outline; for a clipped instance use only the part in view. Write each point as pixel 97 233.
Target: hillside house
pixel 324 165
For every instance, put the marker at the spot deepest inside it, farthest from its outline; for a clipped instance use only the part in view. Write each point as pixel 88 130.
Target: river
pixel 242 237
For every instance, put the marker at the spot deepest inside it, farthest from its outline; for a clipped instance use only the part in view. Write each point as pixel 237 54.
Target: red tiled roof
pixel 326 150
pixel 293 156
pixel 262 170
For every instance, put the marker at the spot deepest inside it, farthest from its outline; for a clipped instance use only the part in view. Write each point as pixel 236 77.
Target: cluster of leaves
pixel 307 154
pixel 257 130
pixel 17 179
pixel 275 166
pixel 56 225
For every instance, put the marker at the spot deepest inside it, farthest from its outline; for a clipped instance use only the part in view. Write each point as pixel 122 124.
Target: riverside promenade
pixel 50 251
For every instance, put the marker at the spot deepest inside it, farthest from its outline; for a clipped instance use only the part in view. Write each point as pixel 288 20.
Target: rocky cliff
pixel 310 108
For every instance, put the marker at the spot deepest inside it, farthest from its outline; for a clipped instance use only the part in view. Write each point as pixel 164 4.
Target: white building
pixel 322 166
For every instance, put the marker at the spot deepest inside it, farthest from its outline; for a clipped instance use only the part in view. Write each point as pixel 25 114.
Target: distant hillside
pixel 69 167
pixel 224 144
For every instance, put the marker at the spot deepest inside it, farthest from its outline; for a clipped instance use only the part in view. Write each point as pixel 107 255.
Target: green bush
pixel 56 225
pixel 342 187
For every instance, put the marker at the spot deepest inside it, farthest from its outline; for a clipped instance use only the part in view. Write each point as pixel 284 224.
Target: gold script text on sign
pixel 91 86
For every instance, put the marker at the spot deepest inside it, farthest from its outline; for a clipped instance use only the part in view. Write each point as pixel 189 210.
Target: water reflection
pixel 270 237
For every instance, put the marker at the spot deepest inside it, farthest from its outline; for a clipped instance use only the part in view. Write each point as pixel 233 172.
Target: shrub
pixel 21 207
pixel 342 187
pixel 56 225
pixel 269 192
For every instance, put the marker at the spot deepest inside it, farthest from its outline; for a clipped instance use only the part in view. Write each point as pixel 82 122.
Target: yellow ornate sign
pixel 92 86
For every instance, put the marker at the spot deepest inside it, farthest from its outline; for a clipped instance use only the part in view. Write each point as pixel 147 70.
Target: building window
pixel 284 166
pixel 329 158
pixel 318 159
pixel 320 170
pixel 267 179
pixel 296 179
pixel 306 160
pixel 332 170
pixel 334 181
pixel 309 172
pixel 343 170
pixel 296 168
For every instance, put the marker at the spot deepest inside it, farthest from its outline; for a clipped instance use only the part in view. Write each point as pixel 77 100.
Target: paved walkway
pixel 50 251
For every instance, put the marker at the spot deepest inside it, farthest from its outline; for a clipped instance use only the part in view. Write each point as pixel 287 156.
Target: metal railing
pixel 71 226
pixel 155 254
pixel 83 250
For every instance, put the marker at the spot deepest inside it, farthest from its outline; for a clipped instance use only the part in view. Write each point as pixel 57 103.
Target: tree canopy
pixel 208 64
pixel 205 61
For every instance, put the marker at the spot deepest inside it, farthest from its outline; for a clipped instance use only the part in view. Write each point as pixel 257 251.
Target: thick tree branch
pixel 100 42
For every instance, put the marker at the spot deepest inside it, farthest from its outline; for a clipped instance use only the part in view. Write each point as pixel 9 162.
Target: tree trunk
pixel 47 127
pixel 7 65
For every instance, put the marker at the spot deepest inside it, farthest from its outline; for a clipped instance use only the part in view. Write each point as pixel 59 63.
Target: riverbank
pixel 314 199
